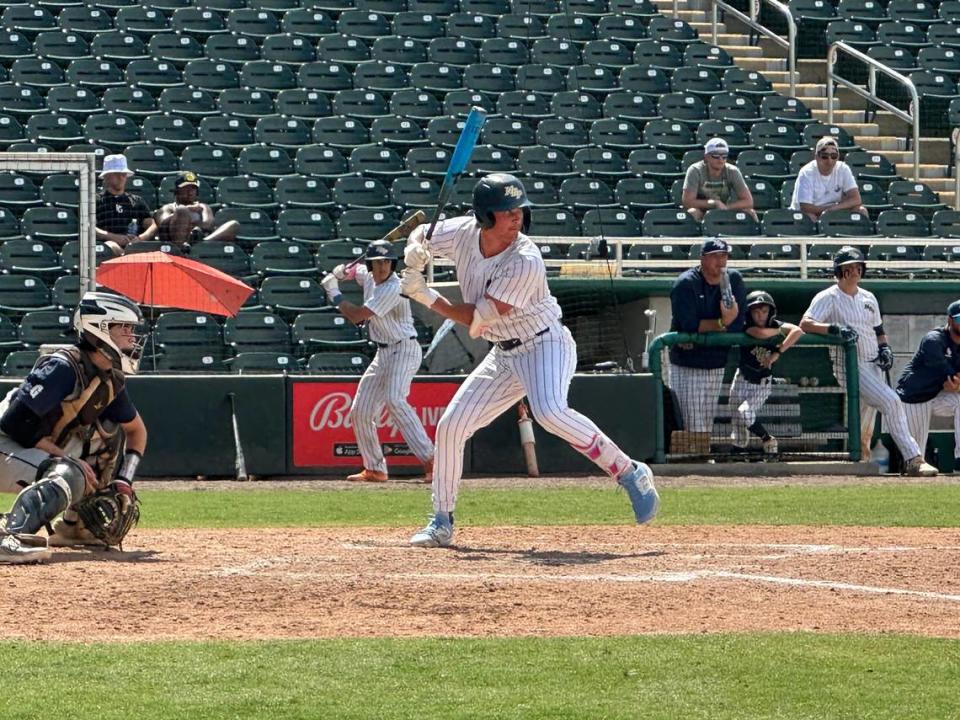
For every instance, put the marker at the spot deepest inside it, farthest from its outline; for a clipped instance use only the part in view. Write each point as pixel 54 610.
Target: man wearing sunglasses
pixel 713 183
pixel 826 183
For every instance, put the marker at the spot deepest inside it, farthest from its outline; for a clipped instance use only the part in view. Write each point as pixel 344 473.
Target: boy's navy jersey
pixel 750 355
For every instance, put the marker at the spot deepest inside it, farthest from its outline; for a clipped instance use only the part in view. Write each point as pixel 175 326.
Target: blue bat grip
pixel 466 142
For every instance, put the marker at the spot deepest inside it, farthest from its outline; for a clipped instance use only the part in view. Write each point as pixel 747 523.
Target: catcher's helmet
pixel 95 314
pixel 496 193
pixel 380 250
pixel 762 297
pixel 848 255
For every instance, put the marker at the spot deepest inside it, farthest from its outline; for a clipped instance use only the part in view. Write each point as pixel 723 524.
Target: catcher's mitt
pixel 110 513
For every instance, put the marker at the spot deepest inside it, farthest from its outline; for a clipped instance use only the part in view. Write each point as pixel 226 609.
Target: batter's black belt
pixel 386 345
pixel 517 342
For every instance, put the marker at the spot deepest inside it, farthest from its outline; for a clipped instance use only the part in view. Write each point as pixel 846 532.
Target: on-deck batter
pixel 387 379
pixel 506 300
pixel 847 310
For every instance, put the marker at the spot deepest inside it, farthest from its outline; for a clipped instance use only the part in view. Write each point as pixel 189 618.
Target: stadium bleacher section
pixel 318 124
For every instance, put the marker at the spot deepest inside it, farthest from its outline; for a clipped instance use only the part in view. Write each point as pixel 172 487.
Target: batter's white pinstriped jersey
pixel 392 320
pixel 516 276
pixel 860 312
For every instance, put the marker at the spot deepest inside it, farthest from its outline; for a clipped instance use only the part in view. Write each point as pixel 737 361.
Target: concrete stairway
pixel 887 134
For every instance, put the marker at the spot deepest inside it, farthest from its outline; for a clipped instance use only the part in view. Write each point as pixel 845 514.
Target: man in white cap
pixel 826 183
pixel 186 220
pixel 122 218
pixel 715 183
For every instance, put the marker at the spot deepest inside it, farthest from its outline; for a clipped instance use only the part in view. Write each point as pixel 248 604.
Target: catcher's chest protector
pixel 93 392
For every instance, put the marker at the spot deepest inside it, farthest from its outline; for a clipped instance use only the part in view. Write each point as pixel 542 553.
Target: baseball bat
pixel 400 231
pixel 240 462
pixel 458 162
pixel 441 333
pixel 527 440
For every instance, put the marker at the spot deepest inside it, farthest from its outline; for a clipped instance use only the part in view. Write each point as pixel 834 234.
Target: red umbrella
pixel 163 280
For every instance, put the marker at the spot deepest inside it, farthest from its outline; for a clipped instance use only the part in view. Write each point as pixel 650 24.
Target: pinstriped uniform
pixel 540 367
pixel 861 312
pixel 945 404
pixel 921 385
pixel 386 381
pixel 746 399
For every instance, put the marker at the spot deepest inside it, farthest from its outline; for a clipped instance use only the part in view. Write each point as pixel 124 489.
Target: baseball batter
pixel 930 383
pixel 753 380
pixel 696 371
pixel 847 310
pixel 387 379
pixel 64 429
pixel 506 301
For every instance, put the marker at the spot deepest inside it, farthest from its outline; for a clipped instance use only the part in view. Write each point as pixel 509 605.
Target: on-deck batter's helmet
pixel 762 297
pixel 498 192
pixel 848 255
pixel 380 250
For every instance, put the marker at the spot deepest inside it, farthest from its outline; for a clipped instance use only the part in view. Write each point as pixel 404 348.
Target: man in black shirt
pixel 122 218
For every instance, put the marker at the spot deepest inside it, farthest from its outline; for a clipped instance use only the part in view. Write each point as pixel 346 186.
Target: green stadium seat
pixel 786 110
pixel 435 77
pixel 287 49
pixel 337 363
pixel 141 21
pixel 126 100
pixel 364 224
pixel 197 21
pixel 34 72
pixel 9 224
pixel 305 225
pixel 290 296
pixel 257 331
pixel 263 362
pixel 229 258
pixel 18 192
pixel 210 75
pixel 210 163
pixel 287 133
pixel 542 161
pixel 113 131
pixel 398 133
pixel 40 327
pixel 946 223
pixel 552 222
pixel 61 47
pixel 19 363
pixel 458 103
pixel 845 223
pixel 65 295
pixel 303 104
pixel 415 104
pixel 309 23
pixel 366 25
pixel 30 257
pixel 14 45
pixel 629 106
pixel 331 254
pixel 898 223
pixel 299 191
pixel 321 161
pixel 729 223
pixel 169 130
pixel 11 131
pixel 783 222
pixel 669 222
pixel 255 225
pixel 246 191
pixel 265 161
pixel 581 193
pixel 187 101
pixel 504 52
pixel 415 193
pixel 21 102
pixel 325 332
pixel 427 161
pixel 363 104
pixel 707 57
pixel 120 47
pixel 610 222
pixel 229 49
pixel 621 28
pixel 27 19
pixel 51 225
pixel 380 76
pixel 20 294
pixel 280 258
pixel 362 192
pixel 252 23
pixel 555 52
pixel 341 49
pixel 267 76
pixel 471 25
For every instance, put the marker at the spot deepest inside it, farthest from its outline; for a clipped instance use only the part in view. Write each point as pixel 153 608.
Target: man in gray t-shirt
pixel 713 183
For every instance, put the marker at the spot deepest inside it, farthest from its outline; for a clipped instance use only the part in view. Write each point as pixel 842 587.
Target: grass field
pixel 786 675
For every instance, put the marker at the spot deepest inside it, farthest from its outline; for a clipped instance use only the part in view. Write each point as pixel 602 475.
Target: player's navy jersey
pixel 937 358
pixel 750 355
pixel 47 386
pixel 693 299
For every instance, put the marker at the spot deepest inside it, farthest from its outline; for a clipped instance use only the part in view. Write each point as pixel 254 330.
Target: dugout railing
pixel 819 426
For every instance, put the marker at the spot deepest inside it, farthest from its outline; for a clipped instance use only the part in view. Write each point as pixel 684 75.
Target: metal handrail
pixel 956 179
pixel 752 20
pixel 870 94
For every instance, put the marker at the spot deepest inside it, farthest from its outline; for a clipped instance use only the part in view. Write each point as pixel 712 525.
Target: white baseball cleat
pixel 437 533
pixel 916 467
pixel 14 551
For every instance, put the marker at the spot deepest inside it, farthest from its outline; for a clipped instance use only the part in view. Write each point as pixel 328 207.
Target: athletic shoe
pixel 368 476
pixel 916 467
pixel 13 551
pixel 770 446
pixel 428 472
pixel 437 533
pixel 638 482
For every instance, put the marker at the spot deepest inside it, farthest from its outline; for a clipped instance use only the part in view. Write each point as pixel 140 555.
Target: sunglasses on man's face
pixel 829 156
pixel 717 156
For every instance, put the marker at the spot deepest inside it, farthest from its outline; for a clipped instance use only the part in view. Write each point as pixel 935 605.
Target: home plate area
pixel 544 581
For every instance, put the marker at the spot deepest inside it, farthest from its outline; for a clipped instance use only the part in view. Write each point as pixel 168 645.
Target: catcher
pixel 71 439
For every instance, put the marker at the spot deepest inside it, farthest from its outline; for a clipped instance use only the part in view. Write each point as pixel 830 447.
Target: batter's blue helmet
pixel 380 250
pixel 848 255
pixel 496 193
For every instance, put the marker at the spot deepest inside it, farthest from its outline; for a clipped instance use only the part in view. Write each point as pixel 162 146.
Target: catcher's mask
pixel 496 193
pixel 94 316
pixel 380 250
pixel 848 255
pixel 762 297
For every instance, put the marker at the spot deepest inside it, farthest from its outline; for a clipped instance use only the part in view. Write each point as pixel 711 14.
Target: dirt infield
pixel 306 583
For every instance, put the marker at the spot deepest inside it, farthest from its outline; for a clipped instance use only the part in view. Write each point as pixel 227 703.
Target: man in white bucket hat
pixel 122 218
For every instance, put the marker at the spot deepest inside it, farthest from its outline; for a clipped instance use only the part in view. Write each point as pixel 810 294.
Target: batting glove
pixel 847 334
pixel 342 272
pixel 330 284
pixel 414 286
pixel 884 358
pixel 416 256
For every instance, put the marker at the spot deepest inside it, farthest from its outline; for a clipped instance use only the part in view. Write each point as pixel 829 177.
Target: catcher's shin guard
pixel 36 505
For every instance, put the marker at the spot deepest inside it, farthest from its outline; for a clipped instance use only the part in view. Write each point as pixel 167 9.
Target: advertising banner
pixel 322 432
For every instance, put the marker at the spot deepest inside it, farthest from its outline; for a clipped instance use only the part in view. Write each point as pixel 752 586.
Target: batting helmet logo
pixel 848 255
pixel 380 250
pixel 762 297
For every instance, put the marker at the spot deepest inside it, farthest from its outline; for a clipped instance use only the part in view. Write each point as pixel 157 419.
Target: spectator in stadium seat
pixel 930 383
pixel 696 371
pixel 122 217
pixel 186 220
pixel 715 183
pixel 826 183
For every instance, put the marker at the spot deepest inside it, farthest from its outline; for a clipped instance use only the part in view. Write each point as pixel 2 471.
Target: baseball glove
pixel 110 513
pixel 884 358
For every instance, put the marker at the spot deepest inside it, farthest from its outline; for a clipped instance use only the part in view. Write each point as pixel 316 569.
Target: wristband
pixel 720 323
pixel 131 459
pixel 336 300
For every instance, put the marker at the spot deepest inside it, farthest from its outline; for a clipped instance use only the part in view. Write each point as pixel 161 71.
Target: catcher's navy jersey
pixel 937 358
pixel 46 387
pixel 693 299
